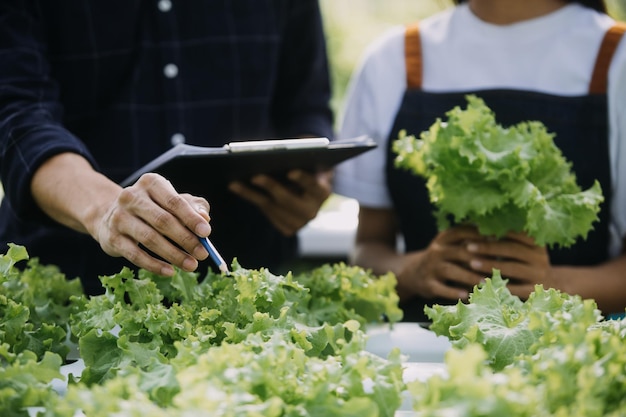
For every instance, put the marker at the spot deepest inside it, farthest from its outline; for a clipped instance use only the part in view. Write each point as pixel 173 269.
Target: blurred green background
pixel 352 24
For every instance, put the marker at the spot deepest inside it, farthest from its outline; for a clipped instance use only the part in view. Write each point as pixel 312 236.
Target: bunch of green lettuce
pixel 506 326
pixel 274 344
pixel 558 381
pixel 340 292
pixel 25 380
pixel 500 179
pixel 145 331
pixel 36 303
pixel 552 355
pixel 259 376
pixel 580 371
pixel 471 388
pixel 139 319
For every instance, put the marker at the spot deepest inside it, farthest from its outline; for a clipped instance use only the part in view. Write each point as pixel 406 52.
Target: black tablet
pixel 196 169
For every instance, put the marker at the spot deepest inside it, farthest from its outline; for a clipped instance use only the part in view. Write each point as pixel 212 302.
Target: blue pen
pixel 214 254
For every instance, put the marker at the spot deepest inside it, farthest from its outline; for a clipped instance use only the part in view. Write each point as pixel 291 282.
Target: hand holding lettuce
pixel 500 179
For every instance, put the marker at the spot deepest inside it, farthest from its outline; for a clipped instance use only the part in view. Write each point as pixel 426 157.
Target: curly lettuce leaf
pixel 471 388
pixel 493 318
pixel 142 318
pixel 508 327
pixel 585 378
pixel 552 355
pixel 341 292
pixel 36 303
pixel 500 179
pixel 25 380
pixel 256 377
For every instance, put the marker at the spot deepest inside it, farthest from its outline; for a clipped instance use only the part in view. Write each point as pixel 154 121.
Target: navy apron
pixel 580 124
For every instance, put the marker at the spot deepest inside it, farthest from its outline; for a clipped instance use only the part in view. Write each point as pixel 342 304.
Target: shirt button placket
pixel 177 139
pixel 164 5
pixel 170 71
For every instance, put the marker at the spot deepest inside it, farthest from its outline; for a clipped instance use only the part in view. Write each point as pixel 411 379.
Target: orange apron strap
pixel 413 56
pixel 598 84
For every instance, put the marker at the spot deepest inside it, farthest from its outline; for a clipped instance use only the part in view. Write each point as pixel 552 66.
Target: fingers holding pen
pixel 152 214
pixel 190 211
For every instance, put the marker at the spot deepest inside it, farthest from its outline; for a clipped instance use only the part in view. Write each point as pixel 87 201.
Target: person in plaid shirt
pixel 90 91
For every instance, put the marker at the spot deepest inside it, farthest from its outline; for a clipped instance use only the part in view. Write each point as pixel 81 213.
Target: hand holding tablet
pixel 197 169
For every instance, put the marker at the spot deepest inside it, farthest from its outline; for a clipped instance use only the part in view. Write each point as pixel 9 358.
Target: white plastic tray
pixel 415 342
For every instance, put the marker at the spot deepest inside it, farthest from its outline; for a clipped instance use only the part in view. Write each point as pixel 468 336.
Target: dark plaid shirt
pixel 121 81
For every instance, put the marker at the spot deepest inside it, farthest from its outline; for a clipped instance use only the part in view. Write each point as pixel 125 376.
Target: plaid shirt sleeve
pixel 31 127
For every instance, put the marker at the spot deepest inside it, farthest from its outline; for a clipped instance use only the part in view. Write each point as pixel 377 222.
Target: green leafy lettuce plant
pixel 551 355
pixel 499 179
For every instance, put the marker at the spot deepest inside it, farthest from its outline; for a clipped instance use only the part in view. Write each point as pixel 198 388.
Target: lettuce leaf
pixel 493 318
pixel 152 344
pixel 36 303
pixel 139 321
pixel 500 179
pixel 552 355
pixel 508 327
pixel 259 376
pixel 471 388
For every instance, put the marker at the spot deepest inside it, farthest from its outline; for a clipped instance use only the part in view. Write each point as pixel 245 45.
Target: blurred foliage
pixel 617 9
pixel 351 25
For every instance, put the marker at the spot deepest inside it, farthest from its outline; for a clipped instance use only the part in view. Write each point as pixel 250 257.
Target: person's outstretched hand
pixel 288 208
pixel 148 223
pixel 151 215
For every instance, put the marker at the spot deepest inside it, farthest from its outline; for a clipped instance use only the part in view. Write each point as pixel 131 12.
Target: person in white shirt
pixel 560 62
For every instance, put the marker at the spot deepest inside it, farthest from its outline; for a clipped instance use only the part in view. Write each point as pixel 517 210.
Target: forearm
pixel 71 192
pixel 605 283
